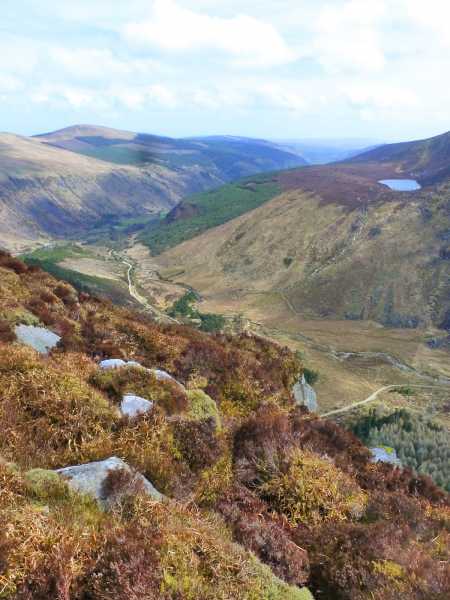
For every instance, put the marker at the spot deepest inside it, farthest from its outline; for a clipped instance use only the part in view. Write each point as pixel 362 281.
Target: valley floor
pixel 354 359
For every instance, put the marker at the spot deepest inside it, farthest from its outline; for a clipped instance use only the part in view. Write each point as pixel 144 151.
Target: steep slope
pixel 249 477
pixel 51 192
pixel 335 243
pixel 425 160
pixel 63 183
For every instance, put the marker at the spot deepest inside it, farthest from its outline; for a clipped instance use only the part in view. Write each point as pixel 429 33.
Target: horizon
pixel 339 69
pixel 322 141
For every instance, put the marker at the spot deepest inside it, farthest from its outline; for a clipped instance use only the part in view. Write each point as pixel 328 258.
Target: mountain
pixel 428 160
pixel 332 240
pixel 225 157
pixel 262 499
pixel 63 183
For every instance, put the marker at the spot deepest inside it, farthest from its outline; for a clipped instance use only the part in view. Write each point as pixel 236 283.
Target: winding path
pixel 135 294
pixel 374 396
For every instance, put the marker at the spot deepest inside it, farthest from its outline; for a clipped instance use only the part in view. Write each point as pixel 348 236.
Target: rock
pixel 305 395
pixel 117 363
pixel 133 406
pixel 385 454
pixel 90 479
pixel 39 338
pixel 112 363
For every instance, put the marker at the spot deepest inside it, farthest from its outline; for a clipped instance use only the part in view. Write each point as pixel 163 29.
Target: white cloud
pixel 130 97
pixel 247 40
pixel 10 84
pixel 99 64
pixel 347 36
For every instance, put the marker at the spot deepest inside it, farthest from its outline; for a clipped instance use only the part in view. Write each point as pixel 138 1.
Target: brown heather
pixel 264 497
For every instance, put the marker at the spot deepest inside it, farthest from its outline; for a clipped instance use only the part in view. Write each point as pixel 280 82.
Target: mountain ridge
pixel 62 183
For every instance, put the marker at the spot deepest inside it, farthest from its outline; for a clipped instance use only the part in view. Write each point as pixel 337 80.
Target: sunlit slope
pixel 387 260
pixel 426 160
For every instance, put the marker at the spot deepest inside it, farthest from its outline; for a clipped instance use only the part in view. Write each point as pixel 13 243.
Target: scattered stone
pixel 112 363
pixel 117 363
pixel 133 406
pixel 385 454
pixel 90 479
pixel 39 338
pixel 305 395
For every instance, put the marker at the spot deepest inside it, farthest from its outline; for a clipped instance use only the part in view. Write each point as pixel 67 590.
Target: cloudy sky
pixel 374 69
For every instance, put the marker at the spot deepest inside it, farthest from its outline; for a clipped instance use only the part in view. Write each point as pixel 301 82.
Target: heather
pixel 262 500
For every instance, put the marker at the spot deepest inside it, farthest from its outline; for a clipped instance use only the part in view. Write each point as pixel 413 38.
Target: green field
pixel 214 208
pixel 49 258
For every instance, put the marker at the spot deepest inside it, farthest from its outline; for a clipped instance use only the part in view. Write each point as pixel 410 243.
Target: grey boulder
pixel 133 406
pixel 305 395
pixel 39 338
pixel 91 479
pixel 112 363
pixel 117 363
pixel 384 454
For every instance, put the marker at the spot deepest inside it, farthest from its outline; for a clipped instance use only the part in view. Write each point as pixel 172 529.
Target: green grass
pixel 215 208
pixel 49 258
pixel 57 254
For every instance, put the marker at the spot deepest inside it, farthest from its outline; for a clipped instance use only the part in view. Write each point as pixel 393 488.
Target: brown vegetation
pixel 298 492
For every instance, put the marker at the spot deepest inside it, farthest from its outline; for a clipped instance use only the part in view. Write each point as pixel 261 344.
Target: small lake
pixel 402 185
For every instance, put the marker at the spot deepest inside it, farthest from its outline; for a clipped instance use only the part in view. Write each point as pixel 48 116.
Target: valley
pixel 323 259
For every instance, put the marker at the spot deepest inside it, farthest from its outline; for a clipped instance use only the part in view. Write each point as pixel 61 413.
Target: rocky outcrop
pixel 305 395
pixel 108 481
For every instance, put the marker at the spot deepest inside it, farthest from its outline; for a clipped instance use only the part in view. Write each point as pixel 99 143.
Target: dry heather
pixel 264 498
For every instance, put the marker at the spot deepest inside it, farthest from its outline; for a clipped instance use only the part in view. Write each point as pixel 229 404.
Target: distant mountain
pixel 428 160
pixel 331 239
pixel 226 157
pixel 63 183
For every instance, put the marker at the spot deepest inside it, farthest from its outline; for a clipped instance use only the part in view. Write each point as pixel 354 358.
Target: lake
pixel 402 185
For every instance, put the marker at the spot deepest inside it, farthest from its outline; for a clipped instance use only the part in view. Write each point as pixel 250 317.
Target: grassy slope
pixel 214 208
pixel 49 258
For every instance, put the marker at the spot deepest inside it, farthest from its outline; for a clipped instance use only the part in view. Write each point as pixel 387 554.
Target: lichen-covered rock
pixel 133 406
pixel 41 482
pixel 305 395
pixel 39 338
pixel 202 406
pixel 92 479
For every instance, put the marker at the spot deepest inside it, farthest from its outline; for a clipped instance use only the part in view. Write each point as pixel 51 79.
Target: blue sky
pixel 375 69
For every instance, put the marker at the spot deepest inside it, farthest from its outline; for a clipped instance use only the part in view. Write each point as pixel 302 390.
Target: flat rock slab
pixel 133 406
pixel 39 338
pixel 90 479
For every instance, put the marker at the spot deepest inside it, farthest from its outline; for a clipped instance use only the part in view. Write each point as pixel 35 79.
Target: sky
pixel 292 69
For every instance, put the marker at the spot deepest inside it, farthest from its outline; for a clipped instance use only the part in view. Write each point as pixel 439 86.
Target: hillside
pixel 62 184
pixel 332 240
pixel 428 160
pixel 225 157
pixel 261 499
